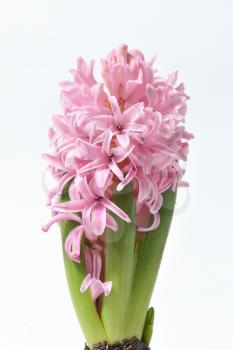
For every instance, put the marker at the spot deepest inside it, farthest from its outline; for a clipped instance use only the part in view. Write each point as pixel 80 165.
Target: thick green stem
pixel 83 304
pixel 150 251
pixel 119 268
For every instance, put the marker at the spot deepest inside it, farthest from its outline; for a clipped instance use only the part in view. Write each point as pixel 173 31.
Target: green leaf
pixel 149 256
pixel 83 304
pixel 119 267
pixel 148 327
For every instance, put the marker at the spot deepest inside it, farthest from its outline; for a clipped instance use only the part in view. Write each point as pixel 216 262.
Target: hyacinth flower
pixel 116 154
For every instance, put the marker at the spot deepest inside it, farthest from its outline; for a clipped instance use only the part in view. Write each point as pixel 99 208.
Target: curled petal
pixel 97 287
pixel 59 218
pixel 129 177
pixel 63 181
pixel 73 243
pixel 156 205
pixel 153 226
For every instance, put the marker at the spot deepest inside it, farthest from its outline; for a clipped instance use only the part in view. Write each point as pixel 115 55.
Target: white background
pixel 39 43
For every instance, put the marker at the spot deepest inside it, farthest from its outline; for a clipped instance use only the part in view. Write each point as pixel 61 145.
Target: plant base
pixel 127 344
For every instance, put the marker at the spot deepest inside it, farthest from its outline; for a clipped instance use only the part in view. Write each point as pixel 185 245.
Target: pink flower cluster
pixel 129 129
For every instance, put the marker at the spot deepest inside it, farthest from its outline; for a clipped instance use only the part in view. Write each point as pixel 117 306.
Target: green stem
pixel 119 267
pixel 150 251
pixel 83 304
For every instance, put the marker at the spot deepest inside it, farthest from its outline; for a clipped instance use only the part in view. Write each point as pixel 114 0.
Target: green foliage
pixel 131 266
pixel 148 327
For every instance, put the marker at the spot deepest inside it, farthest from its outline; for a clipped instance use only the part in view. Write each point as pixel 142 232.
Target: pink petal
pixel 133 112
pixel 131 86
pixel 92 165
pixel 154 207
pixel 133 127
pixel 86 216
pixel 120 153
pixel 59 218
pixel 101 176
pixel 123 139
pixel 116 170
pixel 86 283
pixel 51 194
pixel 53 160
pixel 97 287
pixel 98 219
pixel 146 159
pixel 111 223
pixel 96 263
pixel 154 225
pixel 144 188
pixel 73 243
pixel 115 209
pixel 63 181
pixel 103 122
pixel 60 124
pixel 74 206
pixel 129 177
pixel 86 150
pixel 150 94
pixel 107 142
pixel 86 189
pixel 116 110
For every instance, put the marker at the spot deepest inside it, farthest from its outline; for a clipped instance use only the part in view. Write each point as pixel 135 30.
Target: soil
pixel 127 344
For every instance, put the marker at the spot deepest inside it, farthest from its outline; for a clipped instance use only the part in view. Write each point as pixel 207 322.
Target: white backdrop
pixel 39 43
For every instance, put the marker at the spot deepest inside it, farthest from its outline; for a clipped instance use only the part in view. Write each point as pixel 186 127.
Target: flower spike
pixel 116 153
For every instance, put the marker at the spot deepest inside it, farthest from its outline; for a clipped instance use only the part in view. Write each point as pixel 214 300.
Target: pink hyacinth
pixel 129 129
